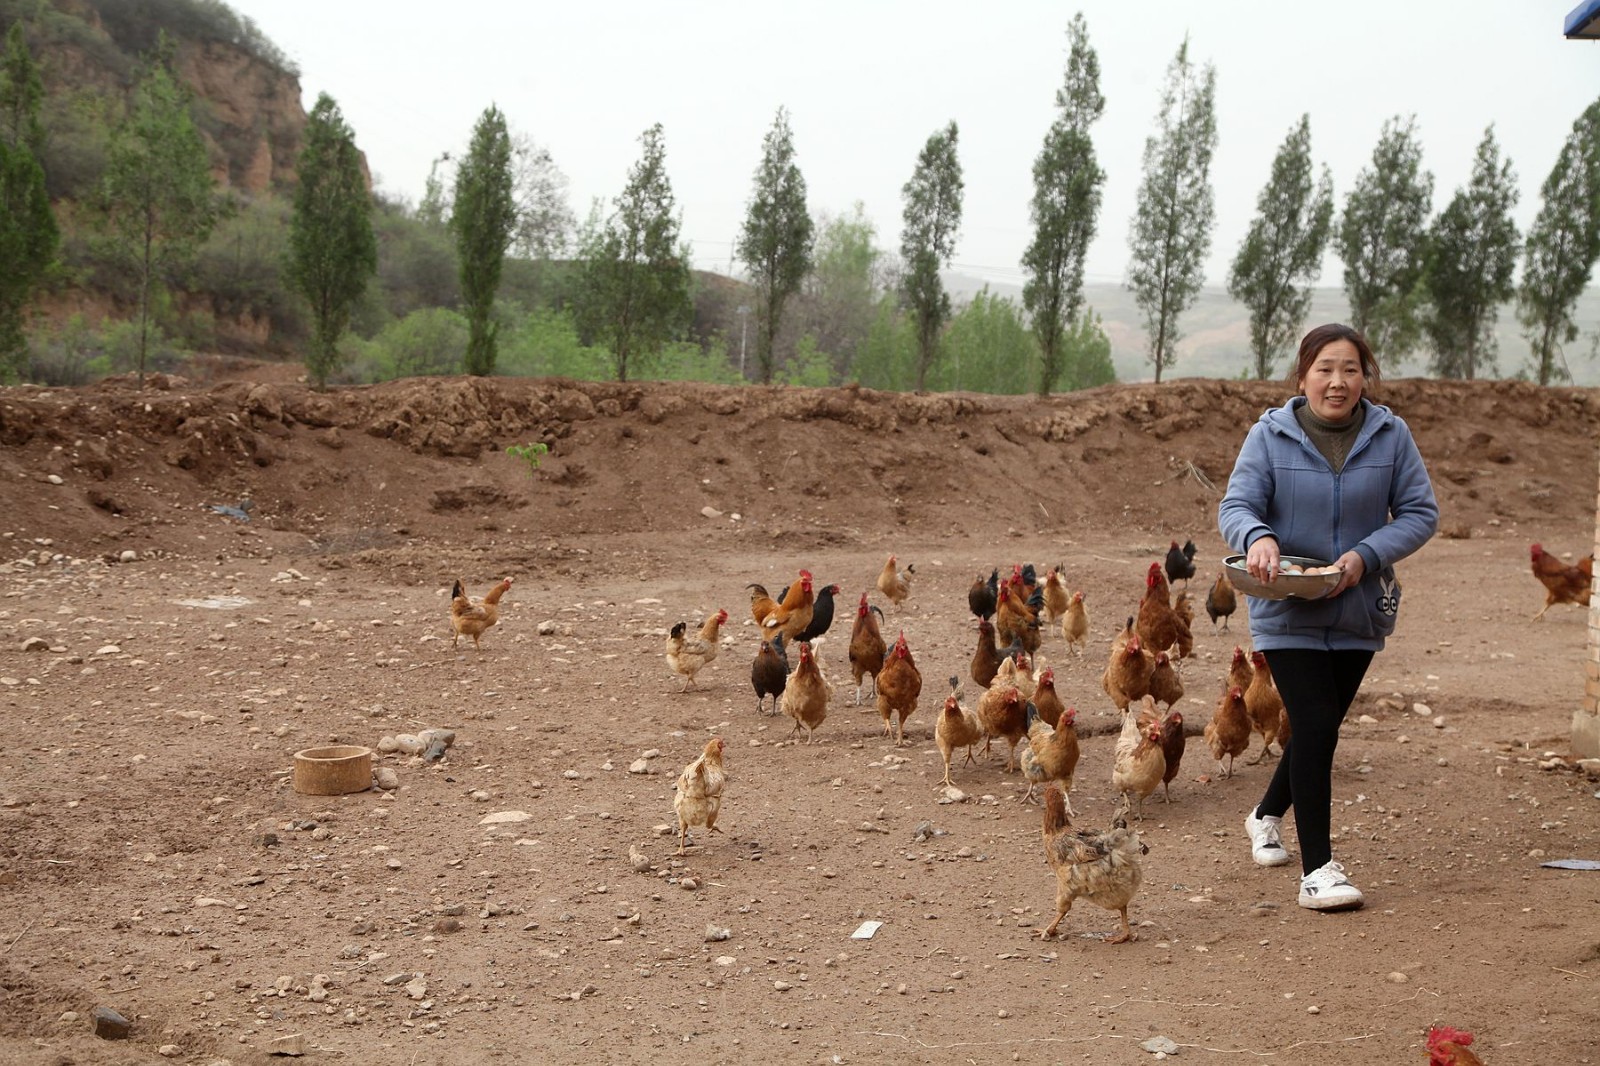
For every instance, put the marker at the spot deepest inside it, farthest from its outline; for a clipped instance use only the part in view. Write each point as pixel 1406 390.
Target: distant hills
pixel 1216 333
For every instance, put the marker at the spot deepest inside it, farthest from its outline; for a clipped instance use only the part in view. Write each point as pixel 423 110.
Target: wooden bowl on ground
pixel 333 771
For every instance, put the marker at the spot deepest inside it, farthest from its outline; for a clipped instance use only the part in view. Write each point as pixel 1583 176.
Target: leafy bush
pixel 239 268
pixel 810 365
pixel 424 343
pixel 76 354
pixel 545 344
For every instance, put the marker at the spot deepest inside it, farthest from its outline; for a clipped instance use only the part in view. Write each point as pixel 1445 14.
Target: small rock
pixel 1422 710
pixel 1397 978
pixel 293 1045
pixel 128 556
pixel 109 1025
pixel 386 779
pixel 726 960
pixel 1313 1009
pixel 1160 1045
pixel 1438 721
pixel 639 766
pixel 169 1051
pixel 688 884
pixel 36 644
pixel 708 510
pixel 782 986
pixel 504 817
pixel 715 934
pixel 1367 719
pixel 417 987
pixel 55 479
pixel 546 628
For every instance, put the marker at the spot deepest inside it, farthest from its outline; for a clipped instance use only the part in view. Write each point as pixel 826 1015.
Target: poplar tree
pixel 1472 253
pixel 157 193
pixel 28 234
pixel 483 217
pixel 332 249
pixel 776 241
pixel 1171 231
pixel 932 220
pixel 1065 209
pixel 1562 247
pixel 1382 239
pixel 633 289
pixel 1281 255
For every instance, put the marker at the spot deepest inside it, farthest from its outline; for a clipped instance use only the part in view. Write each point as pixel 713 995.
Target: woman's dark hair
pixel 1311 346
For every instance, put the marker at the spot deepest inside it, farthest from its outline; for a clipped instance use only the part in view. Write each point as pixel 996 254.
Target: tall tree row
pixel 1171 231
pixel 1065 208
pixel 483 217
pixel 634 276
pixel 1281 255
pixel 157 194
pixel 1382 239
pixel 932 216
pixel 1472 251
pixel 1562 247
pixel 28 234
pixel 332 250
pixel 775 243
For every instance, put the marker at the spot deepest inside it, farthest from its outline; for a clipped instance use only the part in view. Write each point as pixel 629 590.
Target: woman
pixel 1329 475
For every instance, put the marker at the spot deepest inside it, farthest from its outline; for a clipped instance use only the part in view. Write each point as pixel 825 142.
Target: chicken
pixel 1450 1047
pixel 1221 601
pixel 699 798
pixel 1053 751
pixel 1101 867
pixel 1127 674
pixel 470 619
pixel 1164 686
pixel 794 610
pixel 1075 626
pixel 986 660
pixel 1015 670
pixel 1228 732
pixel 1001 711
pixel 1263 704
pixel 805 696
pixel 1046 698
pixel 688 655
pixel 1172 745
pixel 1239 672
pixel 769 674
pixel 866 647
pixel 761 604
pixel 1055 596
pixel 1180 561
pixel 1562 583
pixel 895 584
pixel 982 595
pixel 1137 773
pixel 899 685
pixel 1156 623
pixel 821 615
pixel 958 727
pixel 1013 618
pixel 1183 611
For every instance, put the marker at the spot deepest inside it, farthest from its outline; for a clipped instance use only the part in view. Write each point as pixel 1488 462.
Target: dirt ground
pixel 155 859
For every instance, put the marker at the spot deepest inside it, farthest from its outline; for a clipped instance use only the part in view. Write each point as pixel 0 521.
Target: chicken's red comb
pixel 1440 1033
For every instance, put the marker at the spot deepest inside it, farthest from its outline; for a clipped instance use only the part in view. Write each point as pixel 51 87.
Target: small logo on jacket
pixel 1388 595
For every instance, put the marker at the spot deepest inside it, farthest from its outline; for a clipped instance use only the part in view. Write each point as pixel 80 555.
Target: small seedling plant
pixel 529 453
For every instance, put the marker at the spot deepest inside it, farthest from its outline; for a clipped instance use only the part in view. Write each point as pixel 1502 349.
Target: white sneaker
pixel 1266 843
pixel 1327 889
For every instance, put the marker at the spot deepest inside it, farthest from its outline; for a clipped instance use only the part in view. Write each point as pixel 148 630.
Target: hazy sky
pixel 866 82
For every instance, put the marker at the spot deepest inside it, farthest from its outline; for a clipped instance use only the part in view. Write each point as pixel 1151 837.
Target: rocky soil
pixel 519 900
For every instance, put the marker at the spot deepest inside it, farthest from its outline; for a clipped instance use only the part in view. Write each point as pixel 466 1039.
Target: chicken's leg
pixel 1063 905
pixel 1127 930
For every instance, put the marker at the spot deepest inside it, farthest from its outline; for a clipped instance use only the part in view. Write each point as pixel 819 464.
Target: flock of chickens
pixel 1018 702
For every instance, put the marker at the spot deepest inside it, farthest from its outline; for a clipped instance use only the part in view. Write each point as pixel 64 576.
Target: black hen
pixel 769 675
pixel 1180 562
pixel 983 595
pixel 821 614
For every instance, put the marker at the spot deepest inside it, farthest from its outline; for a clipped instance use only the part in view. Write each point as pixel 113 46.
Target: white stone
pixel 505 818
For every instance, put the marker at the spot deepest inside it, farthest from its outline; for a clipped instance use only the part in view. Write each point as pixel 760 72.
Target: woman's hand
pixel 1352 568
pixel 1262 559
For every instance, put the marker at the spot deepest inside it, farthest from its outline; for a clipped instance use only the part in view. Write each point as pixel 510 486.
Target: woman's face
pixel 1333 382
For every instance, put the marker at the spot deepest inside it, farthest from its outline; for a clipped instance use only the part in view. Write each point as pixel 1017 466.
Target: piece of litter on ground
pixel 217 603
pixel 1572 864
pixel 866 930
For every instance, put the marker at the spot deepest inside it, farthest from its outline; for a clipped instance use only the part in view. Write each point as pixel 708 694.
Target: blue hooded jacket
pixel 1380 505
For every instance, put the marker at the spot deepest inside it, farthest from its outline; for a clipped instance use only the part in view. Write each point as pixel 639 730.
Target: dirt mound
pixel 115 464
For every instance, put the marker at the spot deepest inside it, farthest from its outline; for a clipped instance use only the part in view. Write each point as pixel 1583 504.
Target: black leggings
pixel 1317 689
